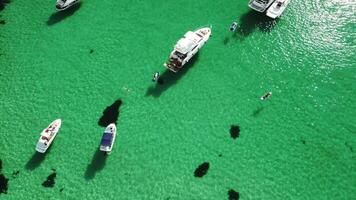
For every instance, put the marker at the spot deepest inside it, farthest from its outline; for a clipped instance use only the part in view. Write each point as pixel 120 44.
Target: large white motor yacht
pixel 64 4
pixel 48 135
pixel 277 8
pixel 187 47
pixel 260 5
pixel 108 139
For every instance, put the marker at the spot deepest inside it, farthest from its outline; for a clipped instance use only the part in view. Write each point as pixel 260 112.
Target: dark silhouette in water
pixel 235 131
pixel 61 190
pixel 15 174
pixel 2 22
pixel 257 111
pixel 169 78
pixel 97 164
pixel 303 141
pixel 349 146
pixel 3 4
pixel 201 170
pixel 91 51
pixel 249 22
pixel 3 184
pixel 220 155
pixel 233 195
pixel 3 181
pixel 252 20
pixel 61 15
pixel 37 158
pixel 50 179
pixel 110 114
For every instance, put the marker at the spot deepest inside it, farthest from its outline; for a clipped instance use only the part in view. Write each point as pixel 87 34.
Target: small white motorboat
pixel 187 47
pixel 108 139
pixel 277 8
pixel 48 135
pixel 64 4
pixel 266 96
pixel 260 5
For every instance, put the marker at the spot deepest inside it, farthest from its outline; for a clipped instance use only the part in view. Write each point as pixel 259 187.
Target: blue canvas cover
pixel 106 140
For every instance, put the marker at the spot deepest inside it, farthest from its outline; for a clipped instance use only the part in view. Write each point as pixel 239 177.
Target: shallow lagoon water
pixel 298 144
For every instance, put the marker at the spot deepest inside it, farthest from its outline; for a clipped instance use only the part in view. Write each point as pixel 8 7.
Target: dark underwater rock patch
pixel 110 114
pixel 235 131
pixel 303 141
pixel 201 170
pixel 3 184
pixel 220 155
pixel 349 146
pixel 233 195
pixel 61 190
pixel 3 181
pixel 50 180
pixel 3 3
pixel 15 174
pixel 2 22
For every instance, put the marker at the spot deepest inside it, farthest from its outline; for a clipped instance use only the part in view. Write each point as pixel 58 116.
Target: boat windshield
pixel 262 1
pixel 279 4
pixel 106 140
pixel 180 55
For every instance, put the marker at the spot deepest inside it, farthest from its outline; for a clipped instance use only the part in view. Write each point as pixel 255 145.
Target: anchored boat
pixel 260 5
pixel 277 8
pixel 187 47
pixel 64 4
pixel 48 135
pixel 108 139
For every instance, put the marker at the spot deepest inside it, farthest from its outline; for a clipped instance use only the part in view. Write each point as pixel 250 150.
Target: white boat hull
pixel 111 129
pixel 276 11
pixel 60 5
pixel 48 135
pixel 201 35
pixel 260 5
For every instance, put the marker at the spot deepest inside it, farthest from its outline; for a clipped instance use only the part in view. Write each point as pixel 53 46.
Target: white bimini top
pixel 187 43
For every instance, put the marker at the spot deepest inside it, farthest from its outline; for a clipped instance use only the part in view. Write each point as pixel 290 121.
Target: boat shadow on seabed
pixel 97 164
pixel 36 159
pixel 169 78
pixel 61 15
pixel 251 21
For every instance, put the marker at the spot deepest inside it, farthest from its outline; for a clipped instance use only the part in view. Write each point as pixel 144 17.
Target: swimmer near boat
pixel 233 26
pixel 155 77
pixel 266 96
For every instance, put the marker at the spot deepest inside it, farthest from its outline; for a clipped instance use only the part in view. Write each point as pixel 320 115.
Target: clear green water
pixel 307 59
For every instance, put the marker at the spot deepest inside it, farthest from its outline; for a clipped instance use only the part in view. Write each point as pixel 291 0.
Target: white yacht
pixel 47 136
pixel 277 8
pixel 260 5
pixel 108 139
pixel 64 4
pixel 187 47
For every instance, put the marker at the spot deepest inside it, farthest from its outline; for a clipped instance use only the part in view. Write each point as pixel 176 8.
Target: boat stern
pixel 41 147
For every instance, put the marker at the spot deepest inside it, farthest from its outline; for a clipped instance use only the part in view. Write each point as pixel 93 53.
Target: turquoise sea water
pixel 299 144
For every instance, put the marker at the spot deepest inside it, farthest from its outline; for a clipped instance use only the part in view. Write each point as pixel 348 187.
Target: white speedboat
pixel 48 135
pixel 260 5
pixel 186 48
pixel 64 4
pixel 277 8
pixel 108 139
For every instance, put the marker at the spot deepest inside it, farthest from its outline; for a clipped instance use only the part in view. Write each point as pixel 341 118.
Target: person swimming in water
pixel 233 26
pixel 266 96
pixel 155 77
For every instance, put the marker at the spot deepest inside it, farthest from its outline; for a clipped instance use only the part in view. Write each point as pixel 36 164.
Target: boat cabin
pixel 107 139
